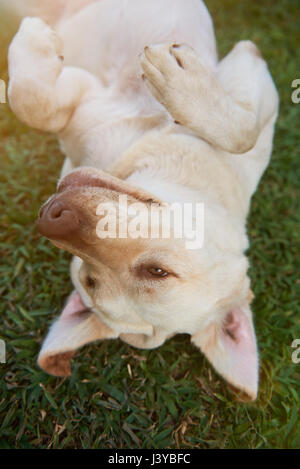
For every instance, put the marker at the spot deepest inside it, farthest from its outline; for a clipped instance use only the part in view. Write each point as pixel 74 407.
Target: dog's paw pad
pixel 183 54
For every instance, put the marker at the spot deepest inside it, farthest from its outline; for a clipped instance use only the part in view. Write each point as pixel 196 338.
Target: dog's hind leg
pixel 42 92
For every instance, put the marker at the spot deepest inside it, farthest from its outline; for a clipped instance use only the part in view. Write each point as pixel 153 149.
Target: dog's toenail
pixel 176 46
pixel 61 57
pixel 179 62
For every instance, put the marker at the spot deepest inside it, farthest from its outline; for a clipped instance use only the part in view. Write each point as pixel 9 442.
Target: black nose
pixel 57 220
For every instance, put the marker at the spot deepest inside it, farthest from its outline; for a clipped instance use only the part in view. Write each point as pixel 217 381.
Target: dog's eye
pixel 90 282
pixel 157 272
pixel 147 272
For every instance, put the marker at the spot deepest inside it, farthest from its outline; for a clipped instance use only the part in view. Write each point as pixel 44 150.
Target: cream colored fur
pixel 110 80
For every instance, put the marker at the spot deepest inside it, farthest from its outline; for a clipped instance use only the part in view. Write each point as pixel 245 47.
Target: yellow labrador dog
pixel 143 108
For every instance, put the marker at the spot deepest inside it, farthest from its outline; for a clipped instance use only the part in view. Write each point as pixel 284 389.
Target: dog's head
pixel 140 283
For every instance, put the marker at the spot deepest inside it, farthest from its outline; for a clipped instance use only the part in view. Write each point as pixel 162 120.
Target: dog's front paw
pixel 34 64
pixel 174 74
pixel 38 38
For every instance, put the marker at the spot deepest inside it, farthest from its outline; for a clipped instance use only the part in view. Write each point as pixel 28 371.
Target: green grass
pixel 119 397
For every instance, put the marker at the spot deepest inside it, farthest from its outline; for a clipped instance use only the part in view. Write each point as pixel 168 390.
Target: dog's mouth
pixel 95 178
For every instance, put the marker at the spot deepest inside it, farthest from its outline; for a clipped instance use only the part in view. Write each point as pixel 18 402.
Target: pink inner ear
pixel 238 332
pixel 231 349
pixel 73 306
pixel 75 327
pixel 238 361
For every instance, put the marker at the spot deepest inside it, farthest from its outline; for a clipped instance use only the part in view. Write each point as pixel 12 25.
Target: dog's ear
pixel 75 327
pixel 230 345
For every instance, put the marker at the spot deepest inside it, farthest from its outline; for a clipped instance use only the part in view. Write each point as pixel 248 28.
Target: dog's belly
pixel 107 37
pixel 105 126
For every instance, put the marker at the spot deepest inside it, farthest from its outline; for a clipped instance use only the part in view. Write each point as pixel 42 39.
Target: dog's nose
pixel 57 220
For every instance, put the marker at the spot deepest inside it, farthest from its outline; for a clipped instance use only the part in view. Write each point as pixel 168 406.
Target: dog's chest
pixel 104 127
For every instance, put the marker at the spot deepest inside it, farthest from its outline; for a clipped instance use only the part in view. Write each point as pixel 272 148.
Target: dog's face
pixel 138 285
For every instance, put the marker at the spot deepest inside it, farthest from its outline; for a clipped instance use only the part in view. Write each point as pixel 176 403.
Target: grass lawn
pixel 120 397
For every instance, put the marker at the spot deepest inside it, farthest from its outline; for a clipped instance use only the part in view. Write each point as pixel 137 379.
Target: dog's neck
pixel 183 195
pixel 176 166
pixel 163 188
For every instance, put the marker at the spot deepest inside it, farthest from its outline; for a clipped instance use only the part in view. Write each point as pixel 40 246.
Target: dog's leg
pixel 43 93
pixel 228 107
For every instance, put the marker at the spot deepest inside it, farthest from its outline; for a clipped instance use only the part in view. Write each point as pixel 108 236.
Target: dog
pixel 143 108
